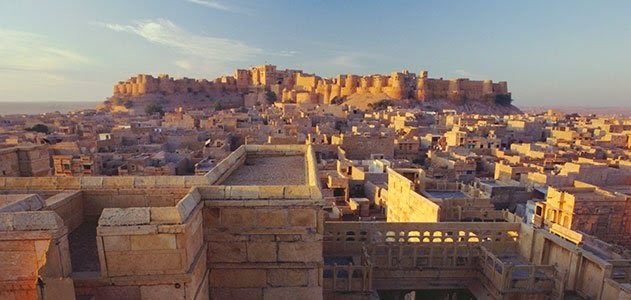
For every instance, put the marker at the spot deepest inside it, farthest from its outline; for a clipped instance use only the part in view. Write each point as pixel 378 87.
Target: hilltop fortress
pixel 297 86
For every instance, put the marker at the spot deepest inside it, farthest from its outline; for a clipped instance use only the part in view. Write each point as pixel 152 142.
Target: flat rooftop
pixel 269 170
pixel 446 194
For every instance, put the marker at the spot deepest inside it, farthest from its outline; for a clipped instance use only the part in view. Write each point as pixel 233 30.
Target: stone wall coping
pixel 262 203
pixel 30 221
pixel 265 192
pixel 266 265
pixel 141 216
pixel 61 199
pixel 21 202
pixel 101 182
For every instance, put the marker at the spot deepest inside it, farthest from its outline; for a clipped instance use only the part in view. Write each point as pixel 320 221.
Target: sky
pixel 565 52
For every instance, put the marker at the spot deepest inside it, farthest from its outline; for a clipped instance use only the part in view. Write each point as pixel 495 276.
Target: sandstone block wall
pixel 25 161
pixel 33 244
pixel 361 147
pixel 159 249
pixel 405 205
pixel 264 252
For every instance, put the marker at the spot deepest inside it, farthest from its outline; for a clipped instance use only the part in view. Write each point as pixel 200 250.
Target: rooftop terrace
pixel 269 170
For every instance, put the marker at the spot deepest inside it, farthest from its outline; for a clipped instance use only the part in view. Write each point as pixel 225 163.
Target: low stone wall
pixel 152 252
pixel 20 202
pixel 406 205
pixel 34 244
pixel 69 206
pixel 348 238
pixel 99 182
pixel 225 167
pixel 95 201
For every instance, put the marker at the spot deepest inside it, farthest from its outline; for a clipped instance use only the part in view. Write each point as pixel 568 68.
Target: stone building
pixel 25 161
pixel 587 208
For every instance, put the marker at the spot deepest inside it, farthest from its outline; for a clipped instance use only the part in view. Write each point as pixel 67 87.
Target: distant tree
pixel 501 99
pixel 337 100
pixel 154 108
pixel 218 106
pixel 380 105
pixel 38 128
pixel 270 97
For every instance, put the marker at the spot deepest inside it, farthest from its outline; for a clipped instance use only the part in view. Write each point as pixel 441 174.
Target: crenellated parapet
pixel 163 84
pixel 297 86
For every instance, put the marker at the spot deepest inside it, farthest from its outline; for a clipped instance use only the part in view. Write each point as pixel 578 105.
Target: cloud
pixel 199 47
pixel 184 64
pixel 29 52
pixel 212 4
pixel 346 61
pixel 463 73
pixel 286 53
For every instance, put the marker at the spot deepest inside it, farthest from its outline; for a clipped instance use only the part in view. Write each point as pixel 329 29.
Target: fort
pixel 297 86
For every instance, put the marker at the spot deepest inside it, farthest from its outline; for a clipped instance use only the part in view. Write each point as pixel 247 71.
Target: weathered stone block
pixel 27 203
pixel 262 252
pixel 242 192
pixel 89 182
pixel 165 215
pixel 214 192
pixel 191 181
pixel 116 243
pixel 150 292
pixel 297 192
pixel 287 277
pixel 302 217
pixel 68 183
pixel 18 265
pixel 125 216
pixel 227 252
pixel 288 237
pixel 129 200
pixel 153 242
pixel 262 238
pixel 271 218
pixel 36 220
pixel 44 183
pixel 237 218
pixel 143 262
pixel 236 293
pixel 300 251
pixel 118 292
pixel 239 278
pixel 212 216
pixel 271 192
pixel 18 183
pixel 25 245
pixel 170 181
pixel 6 222
pixel 145 181
pixel 303 293
pixel 187 205
pixel 122 182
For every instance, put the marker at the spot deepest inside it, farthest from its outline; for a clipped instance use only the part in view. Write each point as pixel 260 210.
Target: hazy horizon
pixel 551 53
